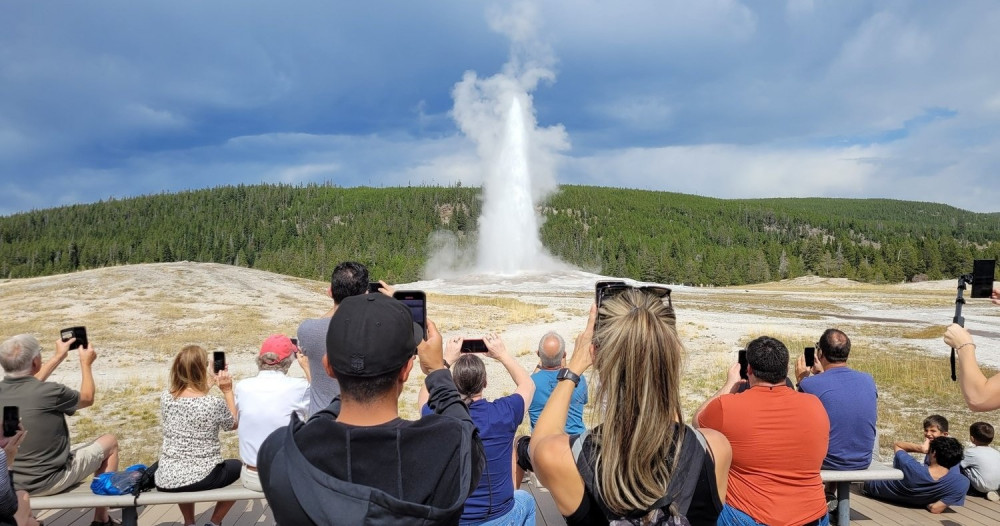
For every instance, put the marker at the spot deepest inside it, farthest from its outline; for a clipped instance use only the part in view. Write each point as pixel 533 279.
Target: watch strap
pixel 566 374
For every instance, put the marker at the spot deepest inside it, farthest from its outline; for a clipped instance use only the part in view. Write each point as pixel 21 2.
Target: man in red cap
pixel 267 401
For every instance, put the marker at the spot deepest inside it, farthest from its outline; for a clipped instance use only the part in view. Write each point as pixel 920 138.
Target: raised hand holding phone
pixel 583 350
pixel 453 349
pixel 430 352
pixel 495 348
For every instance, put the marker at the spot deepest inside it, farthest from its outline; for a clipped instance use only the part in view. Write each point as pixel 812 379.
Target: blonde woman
pixel 641 456
pixel 191 455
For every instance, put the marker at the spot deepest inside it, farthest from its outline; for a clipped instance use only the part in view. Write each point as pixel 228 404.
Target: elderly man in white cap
pixel 267 401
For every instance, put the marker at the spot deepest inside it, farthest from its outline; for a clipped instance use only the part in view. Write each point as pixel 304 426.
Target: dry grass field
pixel 139 316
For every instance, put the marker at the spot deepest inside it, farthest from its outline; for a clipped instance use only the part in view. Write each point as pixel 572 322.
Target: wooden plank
pixel 250 513
pixel 883 513
pixel 546 511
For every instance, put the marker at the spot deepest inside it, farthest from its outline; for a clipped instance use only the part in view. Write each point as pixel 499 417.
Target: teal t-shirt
pixel 545 382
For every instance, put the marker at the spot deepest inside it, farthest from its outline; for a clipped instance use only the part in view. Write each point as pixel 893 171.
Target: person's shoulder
pixel 809 382
pixel 312 324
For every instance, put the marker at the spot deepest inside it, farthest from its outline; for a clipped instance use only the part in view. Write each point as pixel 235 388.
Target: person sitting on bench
pixel 935 486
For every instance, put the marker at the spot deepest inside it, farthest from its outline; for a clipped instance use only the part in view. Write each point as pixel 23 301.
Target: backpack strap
pixel 683 480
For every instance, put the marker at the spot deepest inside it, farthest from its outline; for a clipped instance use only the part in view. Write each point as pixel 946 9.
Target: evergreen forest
pixel 645 235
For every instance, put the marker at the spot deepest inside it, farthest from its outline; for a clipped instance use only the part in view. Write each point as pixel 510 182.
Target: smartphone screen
pixel 11 418
pixel 80 333
pixel 741 357
pixel 810 354
pixel 982 277
pixel 474 345
pixel 416 300
pixel 218 361
pixel 374 286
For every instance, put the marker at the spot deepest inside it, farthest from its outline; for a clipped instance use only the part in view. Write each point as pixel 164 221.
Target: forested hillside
pixel 653 236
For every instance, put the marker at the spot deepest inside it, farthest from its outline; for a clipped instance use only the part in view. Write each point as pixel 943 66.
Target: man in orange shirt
pixel 779 438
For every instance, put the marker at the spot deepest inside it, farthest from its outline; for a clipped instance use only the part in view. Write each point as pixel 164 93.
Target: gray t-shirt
pixel 43 406
pixel 981 465
pixel 312 341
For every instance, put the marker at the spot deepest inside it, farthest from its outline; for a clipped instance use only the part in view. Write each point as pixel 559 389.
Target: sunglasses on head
pixel 609 289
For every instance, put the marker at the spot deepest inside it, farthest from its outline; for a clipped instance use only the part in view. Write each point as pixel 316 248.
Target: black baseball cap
pixel 371 335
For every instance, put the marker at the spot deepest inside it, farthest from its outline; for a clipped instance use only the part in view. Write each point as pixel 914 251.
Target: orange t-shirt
pixel 779 438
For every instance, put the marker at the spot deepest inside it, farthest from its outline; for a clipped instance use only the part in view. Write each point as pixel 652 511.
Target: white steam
pixel 517 158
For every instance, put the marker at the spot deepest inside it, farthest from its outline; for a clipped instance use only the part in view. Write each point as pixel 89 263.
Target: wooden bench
pixel 82 497
pixel 843 479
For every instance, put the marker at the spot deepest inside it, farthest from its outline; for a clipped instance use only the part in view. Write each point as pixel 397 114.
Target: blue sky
pixel 716 97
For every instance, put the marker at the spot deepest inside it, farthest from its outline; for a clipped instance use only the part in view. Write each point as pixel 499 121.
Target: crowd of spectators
pixel 331 448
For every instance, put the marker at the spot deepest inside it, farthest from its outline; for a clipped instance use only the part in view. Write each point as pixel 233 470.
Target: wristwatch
pixel 566 374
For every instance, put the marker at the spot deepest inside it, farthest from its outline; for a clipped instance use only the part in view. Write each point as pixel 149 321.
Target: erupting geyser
pixel 516 158
pixel 508 226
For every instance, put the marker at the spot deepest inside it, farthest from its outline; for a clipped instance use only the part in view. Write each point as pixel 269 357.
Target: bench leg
pixel 843 503
pixel 130 516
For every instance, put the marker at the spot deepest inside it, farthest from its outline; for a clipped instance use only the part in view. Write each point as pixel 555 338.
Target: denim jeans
pixel 731 516
pixel 522 514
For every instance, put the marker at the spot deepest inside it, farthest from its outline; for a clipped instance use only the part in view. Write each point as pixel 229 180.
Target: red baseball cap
pixel 278 344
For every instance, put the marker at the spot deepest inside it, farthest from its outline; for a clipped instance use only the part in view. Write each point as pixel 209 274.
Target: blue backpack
pixel 120 482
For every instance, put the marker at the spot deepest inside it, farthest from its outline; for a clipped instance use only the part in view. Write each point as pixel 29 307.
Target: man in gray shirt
pixel 349 279
pixel 46 463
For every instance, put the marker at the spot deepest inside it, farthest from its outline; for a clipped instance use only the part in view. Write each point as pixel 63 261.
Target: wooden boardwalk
pixel 864 512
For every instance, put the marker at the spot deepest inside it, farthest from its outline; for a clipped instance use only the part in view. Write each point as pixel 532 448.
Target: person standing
pixel 348 279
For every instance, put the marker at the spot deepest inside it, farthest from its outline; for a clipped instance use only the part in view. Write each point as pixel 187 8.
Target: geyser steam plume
pixel 518 159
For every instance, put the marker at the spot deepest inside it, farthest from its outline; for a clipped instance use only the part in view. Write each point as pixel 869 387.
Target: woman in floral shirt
pixel 191 455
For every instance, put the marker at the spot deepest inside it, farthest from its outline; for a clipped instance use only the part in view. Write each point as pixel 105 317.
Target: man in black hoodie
pixel 364 464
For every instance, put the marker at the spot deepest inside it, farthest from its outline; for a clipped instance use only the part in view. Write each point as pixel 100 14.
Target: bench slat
pixel 874 472
pixel 82 497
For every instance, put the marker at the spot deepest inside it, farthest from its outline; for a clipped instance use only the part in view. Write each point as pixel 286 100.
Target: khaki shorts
pixel 86 459
pixel 250 479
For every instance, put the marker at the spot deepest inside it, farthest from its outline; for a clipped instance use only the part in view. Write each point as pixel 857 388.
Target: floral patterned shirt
pixel 191 447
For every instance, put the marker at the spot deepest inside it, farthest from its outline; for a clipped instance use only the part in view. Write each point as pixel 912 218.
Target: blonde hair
pixel 638 362
pixel 190 369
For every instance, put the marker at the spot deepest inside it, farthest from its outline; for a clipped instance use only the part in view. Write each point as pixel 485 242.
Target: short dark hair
pixel 366 389
pixel 836 346
pixel 937 421
pixel 349 278
pixel 947 451
pixel 982 432
pixel 768 359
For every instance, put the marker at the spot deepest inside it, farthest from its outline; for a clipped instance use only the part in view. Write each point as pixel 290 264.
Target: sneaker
pixel 992 496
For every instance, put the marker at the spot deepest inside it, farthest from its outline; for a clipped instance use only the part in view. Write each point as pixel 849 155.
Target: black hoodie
pixel 324 472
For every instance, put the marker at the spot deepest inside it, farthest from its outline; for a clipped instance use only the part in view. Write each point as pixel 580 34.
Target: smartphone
pixel 476 345
pixel 741 357
pixel 810 354
pixel 218 361
pixel 416 300
pixel 374 286
pixel 982 277
pixel 80 333
pixel 11 418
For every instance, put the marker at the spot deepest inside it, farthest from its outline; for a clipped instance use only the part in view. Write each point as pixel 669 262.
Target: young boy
pixel 982 463
pixel 934 486
pixel 934 426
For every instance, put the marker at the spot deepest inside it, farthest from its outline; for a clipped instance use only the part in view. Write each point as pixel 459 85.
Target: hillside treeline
pixel 651 236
